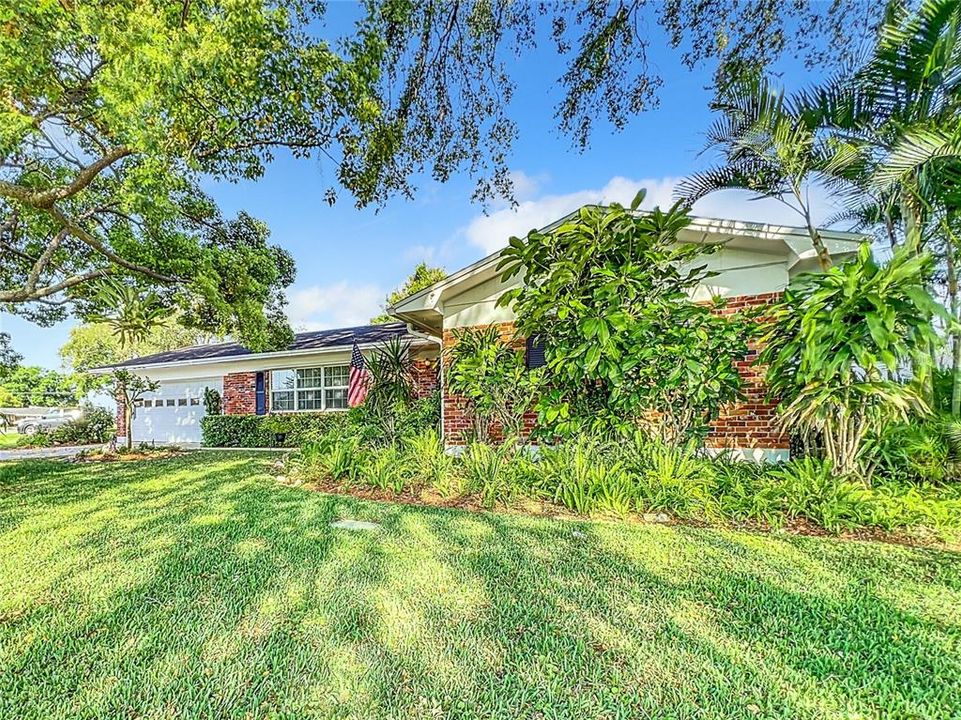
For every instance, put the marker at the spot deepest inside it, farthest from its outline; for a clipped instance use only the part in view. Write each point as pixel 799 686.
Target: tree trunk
pixel 955 336
pixel 128 422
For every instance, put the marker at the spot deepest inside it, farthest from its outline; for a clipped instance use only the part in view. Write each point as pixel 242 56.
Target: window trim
pixel 296 390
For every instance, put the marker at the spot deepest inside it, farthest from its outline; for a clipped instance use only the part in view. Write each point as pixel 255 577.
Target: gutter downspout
pixel 440 372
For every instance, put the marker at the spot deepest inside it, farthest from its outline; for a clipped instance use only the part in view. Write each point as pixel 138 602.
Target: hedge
pixel 263 430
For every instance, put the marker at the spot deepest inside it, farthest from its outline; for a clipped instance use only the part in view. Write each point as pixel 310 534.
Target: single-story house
pixel 755 264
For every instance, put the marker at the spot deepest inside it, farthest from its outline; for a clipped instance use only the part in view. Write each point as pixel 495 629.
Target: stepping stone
pixel 354 525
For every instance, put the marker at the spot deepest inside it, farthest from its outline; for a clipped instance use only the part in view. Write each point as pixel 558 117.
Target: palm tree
pixel 771 146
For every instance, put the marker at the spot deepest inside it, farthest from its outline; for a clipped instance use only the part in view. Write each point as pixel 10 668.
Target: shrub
pixel 743 491
pixel 674 480
pixel 429 463
pixel 235 431
pixel 297 429
pixel 925 451
pixel 96 425
pixel 809 489
pixel 580 476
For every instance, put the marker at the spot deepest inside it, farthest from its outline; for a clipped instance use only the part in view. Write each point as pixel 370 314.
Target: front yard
pixel 199 586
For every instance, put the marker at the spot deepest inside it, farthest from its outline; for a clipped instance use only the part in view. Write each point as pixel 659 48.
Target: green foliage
pixel 429 464
pixel 422 277
pixel 835 344
pixel 236 431
pixel 385 469
pixel 9 358
pixel 581 476
pixel 33 385
pixel 9 399
pixel 95 425
pixel 493 378
pixel 390 389
pixel 262 430
pixel 212 401
pixel 488 472
pixel 609 291
pixel 918 451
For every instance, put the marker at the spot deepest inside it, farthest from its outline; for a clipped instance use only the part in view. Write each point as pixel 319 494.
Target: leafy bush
pixel 95 425
pixel 609 291
pixel 385 469
pixel 430 465
pixel 235 431
pixel 925 451
pixel 809 489
pixel 297 429
pixel 674 480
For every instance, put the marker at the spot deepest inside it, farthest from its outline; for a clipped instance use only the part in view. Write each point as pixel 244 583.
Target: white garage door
pixel 172 414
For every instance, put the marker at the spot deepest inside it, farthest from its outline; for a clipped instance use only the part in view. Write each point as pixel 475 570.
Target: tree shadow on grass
pixel 218 593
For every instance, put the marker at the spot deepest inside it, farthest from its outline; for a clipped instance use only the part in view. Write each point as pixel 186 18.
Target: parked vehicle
pixel 46 422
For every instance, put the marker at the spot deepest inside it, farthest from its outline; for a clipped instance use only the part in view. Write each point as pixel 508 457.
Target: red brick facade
pixel 752 423
pixel 748 425
pixel 426 376
pixel 240 393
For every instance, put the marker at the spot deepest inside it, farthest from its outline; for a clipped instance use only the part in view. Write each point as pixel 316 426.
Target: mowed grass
pixel 200 587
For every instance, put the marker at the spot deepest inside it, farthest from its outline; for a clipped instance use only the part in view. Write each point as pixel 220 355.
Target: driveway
pixel 49 452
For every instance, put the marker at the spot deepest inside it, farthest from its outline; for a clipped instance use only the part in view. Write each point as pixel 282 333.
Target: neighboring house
pixel 755 264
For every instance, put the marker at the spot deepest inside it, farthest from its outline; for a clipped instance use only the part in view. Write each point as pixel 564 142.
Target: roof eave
pixel 107 369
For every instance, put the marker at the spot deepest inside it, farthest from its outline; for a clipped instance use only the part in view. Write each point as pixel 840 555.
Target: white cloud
pixel 491 232
pixel 319 307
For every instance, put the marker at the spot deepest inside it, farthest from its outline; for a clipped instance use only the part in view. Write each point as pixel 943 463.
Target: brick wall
pixel 752 423
pixel 426 376
pixel 747 425
pixel 240 394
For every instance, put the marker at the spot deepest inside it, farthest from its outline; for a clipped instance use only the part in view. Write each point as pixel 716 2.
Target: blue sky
pixel 349 259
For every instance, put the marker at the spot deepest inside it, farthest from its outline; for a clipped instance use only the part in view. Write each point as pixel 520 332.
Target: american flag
pixel 357 386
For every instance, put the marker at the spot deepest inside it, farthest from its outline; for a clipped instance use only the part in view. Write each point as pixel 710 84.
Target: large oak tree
pixel 113 113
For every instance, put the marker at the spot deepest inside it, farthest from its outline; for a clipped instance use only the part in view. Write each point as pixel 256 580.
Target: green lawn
pixel 199 587
pixel 9 440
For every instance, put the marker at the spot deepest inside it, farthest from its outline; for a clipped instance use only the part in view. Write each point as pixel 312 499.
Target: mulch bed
pixel 543 508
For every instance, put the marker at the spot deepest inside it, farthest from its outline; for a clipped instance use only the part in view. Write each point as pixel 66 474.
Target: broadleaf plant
pixel 611 291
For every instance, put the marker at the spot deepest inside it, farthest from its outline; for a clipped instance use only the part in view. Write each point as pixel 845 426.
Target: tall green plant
pixel 836 346
pixel 390 389
pixel 493 378
pixel 610 291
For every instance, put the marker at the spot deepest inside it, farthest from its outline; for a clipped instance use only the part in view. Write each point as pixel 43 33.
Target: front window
pixel 323 388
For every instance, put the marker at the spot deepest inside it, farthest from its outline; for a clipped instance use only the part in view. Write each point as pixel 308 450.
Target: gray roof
pixel 317 340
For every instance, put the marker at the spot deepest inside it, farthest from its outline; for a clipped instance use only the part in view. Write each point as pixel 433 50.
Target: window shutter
pixel 535 352
pixel 261 395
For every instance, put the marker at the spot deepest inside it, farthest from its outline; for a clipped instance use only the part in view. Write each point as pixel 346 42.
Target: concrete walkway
pixel 48 452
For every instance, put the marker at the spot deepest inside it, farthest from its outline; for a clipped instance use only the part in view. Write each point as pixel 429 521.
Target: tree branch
pixel 44 260
pixel 25 294
pixel 44 199
pixel 88 239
